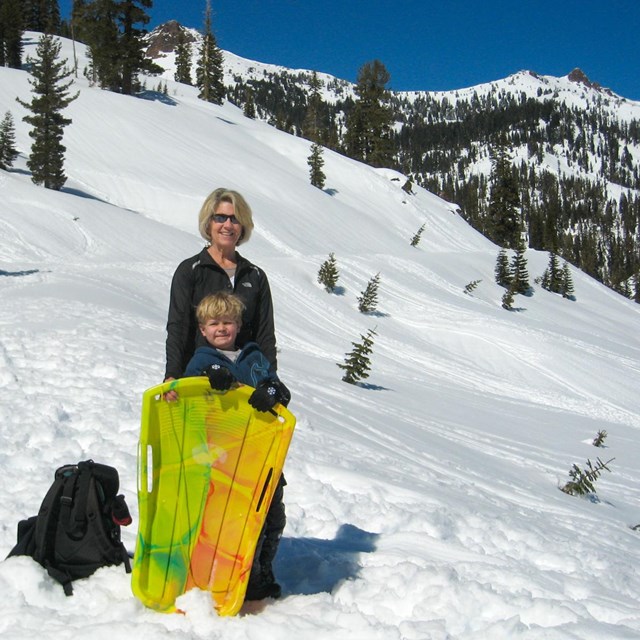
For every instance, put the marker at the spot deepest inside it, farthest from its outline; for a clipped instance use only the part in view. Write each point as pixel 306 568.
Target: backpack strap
pixel 63 577
pixel 73 502
pixel 47 518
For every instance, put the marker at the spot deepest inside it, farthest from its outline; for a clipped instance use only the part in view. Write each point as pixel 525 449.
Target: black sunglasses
pixel 221 218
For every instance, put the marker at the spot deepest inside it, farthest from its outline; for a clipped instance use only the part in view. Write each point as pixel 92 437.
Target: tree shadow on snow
pixel 371 387
pixel 305 566
pixel 157 96
pixel 15 274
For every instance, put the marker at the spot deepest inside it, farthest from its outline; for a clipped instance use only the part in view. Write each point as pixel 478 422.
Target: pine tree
pixel 502 270
pixel 51 96
pixel 311 126
pixel 369 132
pixel 97 27
pixel 130 43
pixel 519 273
pixel 8 151
pixel 209 71
pixel 116 45
pixel 357 363
pixel 11 29
pixel 79 24
pixel 368 300
pixel 316 162
pixel 328 274
pixel 415 241
pixel 42 16
pixel 552 276
pixel 249 109
pixel 567 282
pixel 183 60
pixel 503 222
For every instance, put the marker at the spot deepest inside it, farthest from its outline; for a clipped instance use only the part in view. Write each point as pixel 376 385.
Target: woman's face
pixel 225 234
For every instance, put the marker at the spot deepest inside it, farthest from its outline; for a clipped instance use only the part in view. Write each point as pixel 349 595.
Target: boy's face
pixel 220 333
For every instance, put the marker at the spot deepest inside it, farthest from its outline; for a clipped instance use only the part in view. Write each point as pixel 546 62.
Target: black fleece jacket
pixel 199 276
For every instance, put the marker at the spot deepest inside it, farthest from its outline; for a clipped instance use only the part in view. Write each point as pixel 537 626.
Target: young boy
pixel 219 318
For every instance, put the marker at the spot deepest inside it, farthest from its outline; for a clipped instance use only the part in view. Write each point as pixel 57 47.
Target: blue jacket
pixel 250 367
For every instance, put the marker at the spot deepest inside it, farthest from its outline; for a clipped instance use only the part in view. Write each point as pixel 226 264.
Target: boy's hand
pixel 220 378
pixel 267 394
pixel 170 396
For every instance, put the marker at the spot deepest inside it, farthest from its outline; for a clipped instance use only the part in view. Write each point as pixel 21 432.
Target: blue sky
pixel 444 45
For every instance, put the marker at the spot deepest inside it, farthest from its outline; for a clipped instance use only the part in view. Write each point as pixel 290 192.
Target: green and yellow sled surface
pixel 208 466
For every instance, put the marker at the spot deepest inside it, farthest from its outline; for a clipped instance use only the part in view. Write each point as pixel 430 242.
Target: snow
pixel 423 504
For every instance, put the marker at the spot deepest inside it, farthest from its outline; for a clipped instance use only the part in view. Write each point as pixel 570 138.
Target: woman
pixel 225 221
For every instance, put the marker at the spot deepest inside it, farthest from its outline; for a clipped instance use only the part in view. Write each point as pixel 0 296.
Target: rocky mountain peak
pixel 164 38
pixel 580 77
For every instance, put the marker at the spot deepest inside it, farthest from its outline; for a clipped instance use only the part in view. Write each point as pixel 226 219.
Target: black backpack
pixel 77 529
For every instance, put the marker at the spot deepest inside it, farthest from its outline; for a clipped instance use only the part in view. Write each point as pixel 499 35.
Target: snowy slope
pixel 423 504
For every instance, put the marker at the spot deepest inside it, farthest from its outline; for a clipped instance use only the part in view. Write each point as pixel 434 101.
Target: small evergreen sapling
pixel 582 480
pixel 368 300
pixel 416 237
pixel 357 363
pixel 328 274
pixel 507 300
pixel 598 441
pixel 471 286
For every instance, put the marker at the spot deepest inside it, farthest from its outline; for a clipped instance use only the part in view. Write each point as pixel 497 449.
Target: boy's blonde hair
pixel 220 305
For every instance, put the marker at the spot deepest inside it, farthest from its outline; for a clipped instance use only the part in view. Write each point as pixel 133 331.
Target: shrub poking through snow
pixel 582 480
pixel 598 441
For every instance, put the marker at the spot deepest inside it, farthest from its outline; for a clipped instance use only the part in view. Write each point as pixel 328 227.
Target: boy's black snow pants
pixel 267 547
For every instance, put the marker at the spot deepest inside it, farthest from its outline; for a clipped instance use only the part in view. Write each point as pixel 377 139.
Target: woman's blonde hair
pixel 220 305
pixel 241 210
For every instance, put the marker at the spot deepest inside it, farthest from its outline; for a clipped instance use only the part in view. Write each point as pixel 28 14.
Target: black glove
pixel 220 378
pixel 267 394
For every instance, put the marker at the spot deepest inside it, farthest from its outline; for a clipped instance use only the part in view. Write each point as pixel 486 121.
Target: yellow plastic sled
pixel 208 466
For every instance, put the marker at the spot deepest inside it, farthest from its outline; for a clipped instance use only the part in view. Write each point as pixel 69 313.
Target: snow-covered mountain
pixel 574 88
pixel 574 148
pixel 424 504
